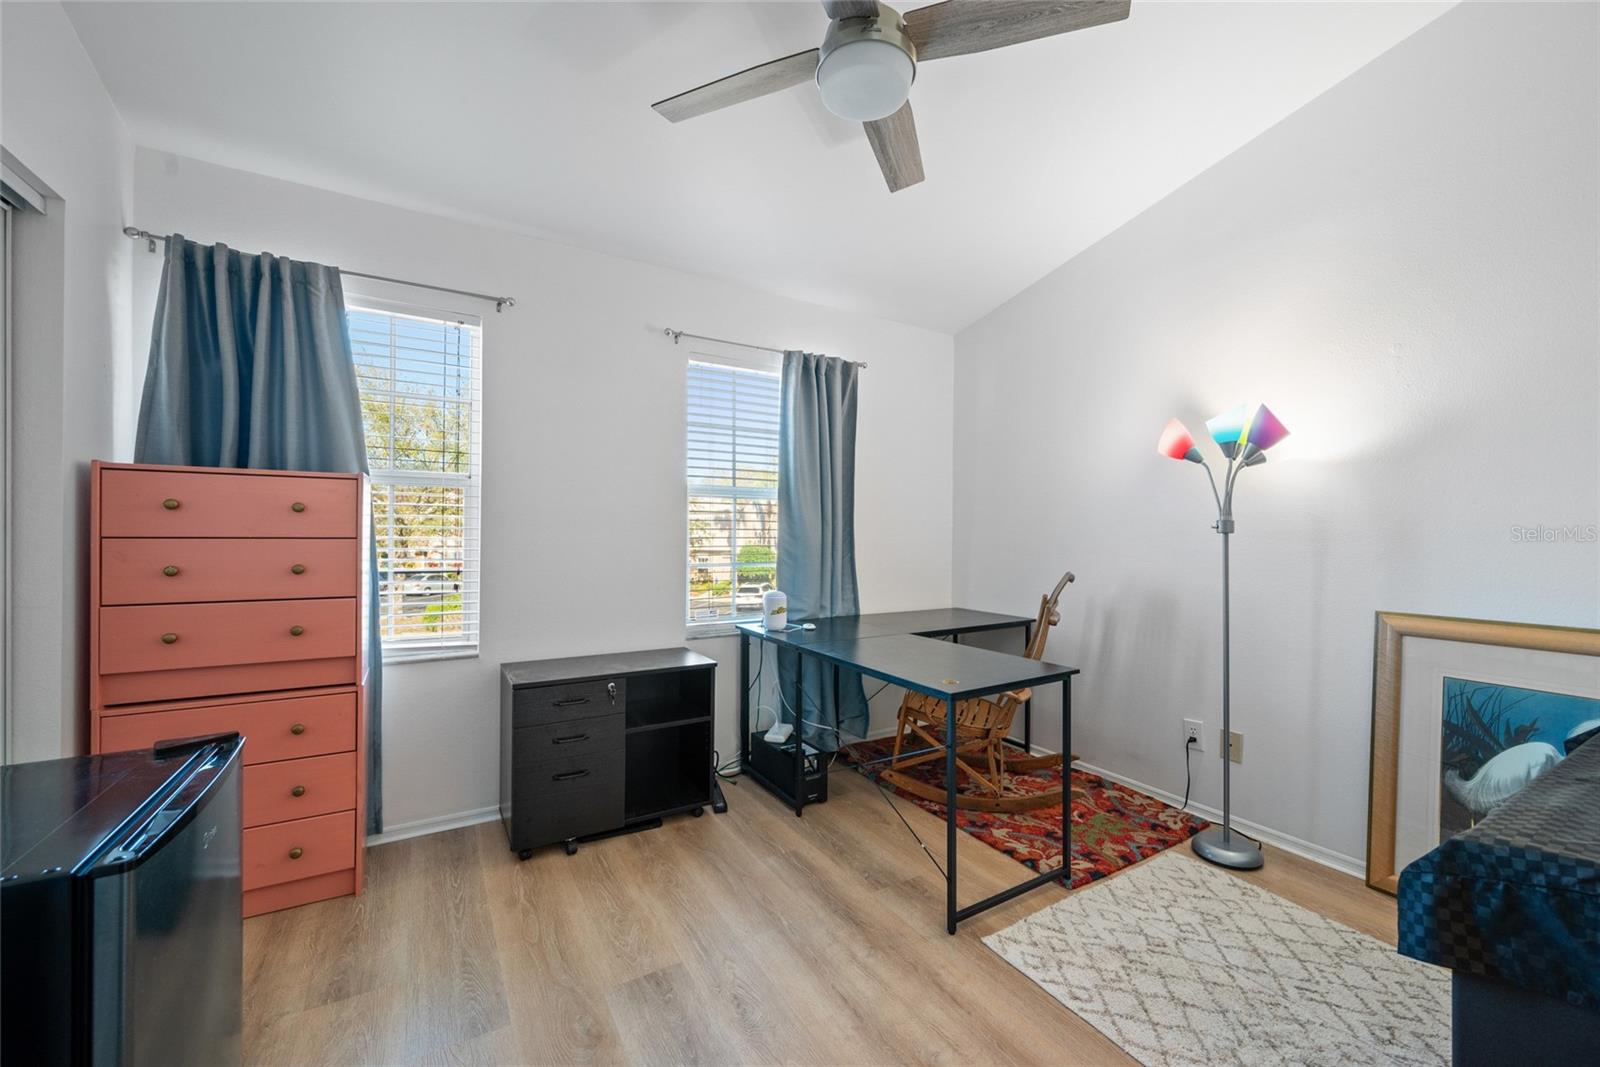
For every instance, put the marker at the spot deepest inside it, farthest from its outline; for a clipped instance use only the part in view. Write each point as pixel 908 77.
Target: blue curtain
pixel 817 536
pixel 251 366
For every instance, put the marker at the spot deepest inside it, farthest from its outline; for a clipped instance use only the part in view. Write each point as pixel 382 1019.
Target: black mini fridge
pixel 121 937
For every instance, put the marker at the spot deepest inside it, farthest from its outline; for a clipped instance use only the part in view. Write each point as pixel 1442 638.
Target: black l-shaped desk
pixel 903 649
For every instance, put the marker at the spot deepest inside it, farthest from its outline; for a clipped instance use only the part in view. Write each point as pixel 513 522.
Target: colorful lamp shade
pixel 1225 429
pixel 1177 442
pixel 1249 426
pixel 1263 430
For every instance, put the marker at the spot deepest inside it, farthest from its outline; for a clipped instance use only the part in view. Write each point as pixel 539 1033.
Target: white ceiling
pixel 537 117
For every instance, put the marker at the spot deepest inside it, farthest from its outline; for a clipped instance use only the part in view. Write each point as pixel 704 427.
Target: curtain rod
pixel 676 334
pixel 500 302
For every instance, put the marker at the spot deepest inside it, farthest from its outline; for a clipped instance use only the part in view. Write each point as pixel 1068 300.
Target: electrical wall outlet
pixel 1234 743
pixel 1192 732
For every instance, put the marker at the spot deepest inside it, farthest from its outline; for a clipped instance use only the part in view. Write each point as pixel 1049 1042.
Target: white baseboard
pixel 438 825
pixel 1276 838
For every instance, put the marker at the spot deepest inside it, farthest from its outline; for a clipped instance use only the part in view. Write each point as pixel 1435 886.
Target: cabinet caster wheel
pixel 525 855
pixel 572 848
pixel 697 812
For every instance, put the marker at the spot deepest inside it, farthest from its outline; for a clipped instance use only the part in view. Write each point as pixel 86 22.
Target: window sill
pixel 698 631
pixel 429 655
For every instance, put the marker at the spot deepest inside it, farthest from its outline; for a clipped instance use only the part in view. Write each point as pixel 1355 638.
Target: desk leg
pixel 1027 705
pixel 1066 782
pixel 950 816
pixel 799 733
pixel 838 702
pixel 744 699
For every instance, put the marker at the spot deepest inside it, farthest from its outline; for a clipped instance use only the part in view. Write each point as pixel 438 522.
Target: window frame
pixel 737 359
pixel 471 482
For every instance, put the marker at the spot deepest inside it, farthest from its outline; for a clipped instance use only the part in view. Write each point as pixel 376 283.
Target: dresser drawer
pixel 273 729
pixel 178 636
pixel 578 738
pixel 159 503
pixel 299 788
pixel 543 704
pixel 171 570
pixel 287 851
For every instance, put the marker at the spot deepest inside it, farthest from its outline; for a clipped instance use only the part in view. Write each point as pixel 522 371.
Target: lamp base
pixel 1228 850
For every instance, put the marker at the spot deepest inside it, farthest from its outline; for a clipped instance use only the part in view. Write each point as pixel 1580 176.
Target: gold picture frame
pixel 1392 630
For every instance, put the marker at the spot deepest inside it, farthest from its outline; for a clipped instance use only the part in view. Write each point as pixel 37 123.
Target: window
pixel 733 489
pixel 420 398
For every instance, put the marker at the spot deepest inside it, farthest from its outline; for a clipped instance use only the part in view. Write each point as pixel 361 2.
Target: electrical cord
pixel 1188 747
pixel 722 768
pixel 754 686
pixel 922 844
pixel 761 666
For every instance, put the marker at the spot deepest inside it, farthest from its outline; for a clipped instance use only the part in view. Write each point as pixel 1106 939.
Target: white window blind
pixel 420 400
pixel 733 490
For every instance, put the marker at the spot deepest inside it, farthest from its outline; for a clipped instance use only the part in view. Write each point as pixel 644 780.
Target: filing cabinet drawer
pixel 561 776
pixel 539 705
pixel 584 806
pixel 169 570
pixel 169 503
pixel 578 738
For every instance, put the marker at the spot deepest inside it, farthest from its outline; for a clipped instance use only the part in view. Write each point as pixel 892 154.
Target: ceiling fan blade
pixel 745 85
pixel 959 27
pixel 894 142
pixel 850 9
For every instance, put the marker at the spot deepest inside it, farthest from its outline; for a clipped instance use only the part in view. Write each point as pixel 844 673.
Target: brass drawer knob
pixel 169 639
pixel 298 791
pixel 298 568
pixel 295 853
pixel 297 506
pixel 170 504
pixel 296 631
pixel 298 728
pixel 170 571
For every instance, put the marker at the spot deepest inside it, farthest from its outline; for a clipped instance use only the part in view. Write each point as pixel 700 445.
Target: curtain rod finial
pixel 135 233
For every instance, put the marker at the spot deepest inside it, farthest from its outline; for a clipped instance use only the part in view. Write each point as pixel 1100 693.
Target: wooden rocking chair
pixel 982 726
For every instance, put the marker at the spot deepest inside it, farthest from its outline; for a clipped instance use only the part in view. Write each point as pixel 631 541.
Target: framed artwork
pixel 1465 713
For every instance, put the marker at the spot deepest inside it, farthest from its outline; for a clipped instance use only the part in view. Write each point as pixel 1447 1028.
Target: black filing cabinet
pixel 596 745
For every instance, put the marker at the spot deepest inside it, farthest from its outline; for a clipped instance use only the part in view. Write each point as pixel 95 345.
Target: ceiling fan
pixel 868 61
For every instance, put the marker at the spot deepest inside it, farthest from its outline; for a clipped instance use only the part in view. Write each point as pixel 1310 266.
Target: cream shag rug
pixel 1180 963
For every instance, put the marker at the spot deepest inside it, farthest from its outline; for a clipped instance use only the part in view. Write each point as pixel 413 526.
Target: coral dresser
pixel 231 600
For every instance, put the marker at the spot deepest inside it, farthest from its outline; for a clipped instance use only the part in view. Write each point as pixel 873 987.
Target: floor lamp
pixel 1244 434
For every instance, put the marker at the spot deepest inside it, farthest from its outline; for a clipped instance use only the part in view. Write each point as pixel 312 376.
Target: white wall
pixel 1405 270
pixel 72 326
pixel 583 506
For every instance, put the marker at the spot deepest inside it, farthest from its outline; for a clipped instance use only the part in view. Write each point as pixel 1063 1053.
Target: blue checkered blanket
pixel 1517 897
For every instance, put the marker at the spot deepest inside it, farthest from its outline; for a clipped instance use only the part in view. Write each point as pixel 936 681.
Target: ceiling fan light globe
pixel 865 80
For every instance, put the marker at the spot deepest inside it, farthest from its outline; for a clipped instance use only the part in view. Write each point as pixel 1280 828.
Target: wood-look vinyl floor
pixel 749 937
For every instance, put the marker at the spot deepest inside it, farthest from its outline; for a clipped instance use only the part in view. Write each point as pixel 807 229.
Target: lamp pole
pixel 1223 847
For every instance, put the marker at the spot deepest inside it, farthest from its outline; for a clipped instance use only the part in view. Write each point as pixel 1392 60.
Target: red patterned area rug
pixel 1112 826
